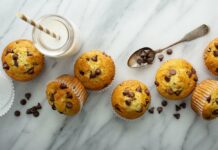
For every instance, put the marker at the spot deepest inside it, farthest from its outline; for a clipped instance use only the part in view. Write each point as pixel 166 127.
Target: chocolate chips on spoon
pixel 146 56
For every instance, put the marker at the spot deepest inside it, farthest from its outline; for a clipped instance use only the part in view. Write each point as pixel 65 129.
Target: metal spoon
pixel 146 55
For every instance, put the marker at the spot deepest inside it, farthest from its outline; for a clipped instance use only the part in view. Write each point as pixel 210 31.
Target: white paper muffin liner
pixel 7 95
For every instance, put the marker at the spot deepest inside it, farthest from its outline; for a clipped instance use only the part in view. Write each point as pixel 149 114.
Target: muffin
pixel 22 61
pixel 95 70
pixel 130 99
pixel 175 79
pixel 66 94
pixel 211 56
pixel 205 99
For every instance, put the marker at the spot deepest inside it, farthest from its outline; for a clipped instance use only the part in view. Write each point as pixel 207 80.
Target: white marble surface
pixel 118 27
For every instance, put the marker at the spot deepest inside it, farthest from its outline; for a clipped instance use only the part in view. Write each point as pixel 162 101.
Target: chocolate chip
pixel 35 113
pixel 6 66
pixel 128 102
pixel 196 79
pixel 31 70
pixel 52 97
pixel 17 113
pixel 169 51
pixel 172 72
pixel 216 70
pixel 216 101
pixel 164 103
pixel 39 106
pixel 177 115
pixel 95 58
pixel 87 59
pixel 208 99
pixel 151 110
pixel 63 86
pixel 9 51
pixel 178 108
pixel 23 102
pixel 167 78
pixel 117 107
pixel 29 111
pixel 97 72
pixel 215 112
pixel 131 94
pixel 15 57
pixel 159 109
pixel 178 92
pixel 29 54
pixel 170 91
pixel 161 57
pixel 92 75
pixel 34 108
pixel 150 60
pixel 28 95
pixel 139 61
pixel 193 71
pixel 69 105
pixel 139 89
pixel 69 95
pixel 183 105
pixel 81 72
pixel 143 54
pixel 216 45
pixel 147 92
pixel 104 54
pixel 53 107
pixel 215 53
pixel 189 73
pixel 125 92
pixel 156 83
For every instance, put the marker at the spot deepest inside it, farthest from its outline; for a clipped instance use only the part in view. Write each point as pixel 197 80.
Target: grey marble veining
pixel 118 28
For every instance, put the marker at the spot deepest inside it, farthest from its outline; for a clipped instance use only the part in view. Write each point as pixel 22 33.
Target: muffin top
pixel 66 95
pixel 211 56
pixel 175 79
pixel 94 69
pixel 22 61
pixel 130 99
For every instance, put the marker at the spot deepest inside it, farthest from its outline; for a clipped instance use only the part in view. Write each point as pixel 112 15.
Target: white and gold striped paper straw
pixel 37 25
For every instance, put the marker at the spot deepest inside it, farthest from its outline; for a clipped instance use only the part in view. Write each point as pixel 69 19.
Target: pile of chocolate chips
pixel 164 104
pixel 33 110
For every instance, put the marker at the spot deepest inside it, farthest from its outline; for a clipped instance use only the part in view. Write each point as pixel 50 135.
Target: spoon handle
pixel 194 34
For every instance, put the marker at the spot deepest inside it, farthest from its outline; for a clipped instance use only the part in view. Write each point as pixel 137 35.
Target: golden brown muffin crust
pixel 95 69
pixel 175 79
pixel 130 99
pixel 66 95
pixel 22 61
pixel 211 56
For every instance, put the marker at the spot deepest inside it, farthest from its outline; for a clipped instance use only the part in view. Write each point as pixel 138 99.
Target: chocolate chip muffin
pixel 176 79
pixel 66 94
pixel 22 61
pixel 205 99
pixel 95 70
pixel 130 99
pixel 211 56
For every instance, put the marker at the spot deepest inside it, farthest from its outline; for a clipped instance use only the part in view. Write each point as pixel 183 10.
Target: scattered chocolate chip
pixel 23 102
pixel 193 71
pixel 151 110
pixel 139 61
pixel 196 79
pixel 161 57
pixel 34 108
pixel 6 66
pixel 170 91
pixel 178 108
pixel 28 95
pixel 159 109
pixel 178 92
pixel 117 107
pixel 172 72
pixel 97 72
pixel 156 83
pixel 63 86
pixel 35 113
pixel 52 97
pixel 92 75
pixel 125 92
pixel 17 113
pixel 30 71
pixel 177 115
pixel 69 105
pixel 81 72
pixel 215 112
pixel 216 69
pixel 53 107
pixel 183 105
pixel 147 92
pixel 87 59
pixel 69 95
pixel 216 45
pixel 29 111
pixel 16 63
pixel 128 102
pixel 189 73
pixel 150 60
pixel 164 103
pixel 139 89
pixel 215 53
pixel 167 78
pixel 169 51
pixel 95 58
pixel 131 94
pixel 15 57
pixel 208 99
pixel 39 106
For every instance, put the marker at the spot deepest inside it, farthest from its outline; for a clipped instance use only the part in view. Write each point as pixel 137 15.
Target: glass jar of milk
pixel 69 42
